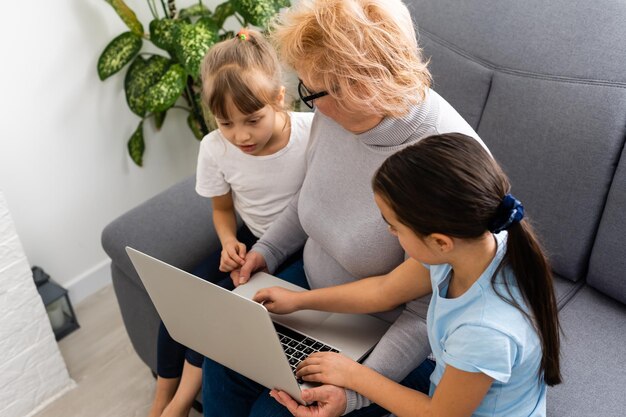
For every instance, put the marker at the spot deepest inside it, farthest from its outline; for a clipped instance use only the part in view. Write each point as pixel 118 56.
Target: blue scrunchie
pixel 509 211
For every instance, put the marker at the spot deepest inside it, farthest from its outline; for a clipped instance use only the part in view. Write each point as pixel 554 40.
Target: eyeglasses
pixel 307 97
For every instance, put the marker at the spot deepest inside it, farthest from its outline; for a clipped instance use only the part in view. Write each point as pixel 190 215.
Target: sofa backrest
pixel 607 268
pixel 544 85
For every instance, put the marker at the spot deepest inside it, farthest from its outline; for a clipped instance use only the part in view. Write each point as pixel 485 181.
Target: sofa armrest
pixel 174 226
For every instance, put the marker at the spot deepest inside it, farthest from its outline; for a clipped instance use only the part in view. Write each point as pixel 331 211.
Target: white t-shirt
pixel 261 185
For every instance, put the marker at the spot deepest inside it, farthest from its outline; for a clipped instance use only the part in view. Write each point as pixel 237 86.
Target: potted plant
pixel 154 83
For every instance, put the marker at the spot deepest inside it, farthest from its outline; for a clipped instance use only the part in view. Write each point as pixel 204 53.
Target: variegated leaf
pixel 164 93
pixel 159 118
pixel 192 43
pixel 162 33
pixel 256 12
pixel 195 126
pixel 119 52
pixel 128 16
pixel 142 75
pixel 194 11
pixel 223 12
pixel 136 145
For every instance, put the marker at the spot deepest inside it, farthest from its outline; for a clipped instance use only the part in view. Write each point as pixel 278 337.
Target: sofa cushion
pixel 463 82
pixel 567 38
pixel 559 142
pixel 565 290
pixel 607 268
pixel 592 358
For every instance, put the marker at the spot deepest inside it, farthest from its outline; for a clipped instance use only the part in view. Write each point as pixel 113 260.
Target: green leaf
pixel 128 16
pixel 193 41
pixel 142 75
pixel 223 12
pixel 118 53
pixel 162 33
pixel 208 24
pixel 257 12
pixel 195 126
pixel 136 145
pixel 159 118
pixel 164 93
pixel 194 11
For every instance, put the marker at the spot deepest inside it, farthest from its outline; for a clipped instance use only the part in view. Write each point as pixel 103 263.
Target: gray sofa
pixel 544 84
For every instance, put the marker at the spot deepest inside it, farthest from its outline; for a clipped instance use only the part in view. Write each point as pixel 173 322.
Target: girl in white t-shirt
pixel 492 320
pixel 252 165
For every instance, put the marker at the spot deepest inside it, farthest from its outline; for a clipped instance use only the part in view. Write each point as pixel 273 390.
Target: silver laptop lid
pixel 218 323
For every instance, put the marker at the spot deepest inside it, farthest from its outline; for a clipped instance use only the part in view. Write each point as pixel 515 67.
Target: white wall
pixel 64 167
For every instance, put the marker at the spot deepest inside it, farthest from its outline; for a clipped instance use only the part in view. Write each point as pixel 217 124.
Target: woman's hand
pixel 233 255
pixel 329 368
pixel 326 401
pixel 253 262
pixel 277 300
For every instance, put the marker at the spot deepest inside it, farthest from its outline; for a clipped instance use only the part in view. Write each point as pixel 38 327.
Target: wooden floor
pixel 111 379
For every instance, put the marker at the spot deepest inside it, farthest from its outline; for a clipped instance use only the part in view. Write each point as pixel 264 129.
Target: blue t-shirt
pixel 480 332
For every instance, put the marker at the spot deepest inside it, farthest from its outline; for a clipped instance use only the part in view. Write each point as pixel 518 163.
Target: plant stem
pixel 241 22
pixel 164 9
pixel 194 106
pixel 152 8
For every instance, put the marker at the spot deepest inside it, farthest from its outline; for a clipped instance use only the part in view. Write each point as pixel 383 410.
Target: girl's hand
pixel 254 262
pixel 233 255
pixel 277 300
pixel 329 368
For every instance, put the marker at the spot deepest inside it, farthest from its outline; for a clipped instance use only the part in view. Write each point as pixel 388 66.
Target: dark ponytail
pixel 449 184
pixel 534 278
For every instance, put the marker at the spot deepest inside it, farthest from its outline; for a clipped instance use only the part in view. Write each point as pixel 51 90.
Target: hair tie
pixel 510 211
pixel 243 34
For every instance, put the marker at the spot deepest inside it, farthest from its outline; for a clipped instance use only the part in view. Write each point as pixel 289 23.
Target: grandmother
pixel 362 72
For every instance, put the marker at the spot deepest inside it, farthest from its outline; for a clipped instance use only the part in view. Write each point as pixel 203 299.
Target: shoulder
pixel 212 141
pixel 448 118
pixel 300 128
pixel 301 120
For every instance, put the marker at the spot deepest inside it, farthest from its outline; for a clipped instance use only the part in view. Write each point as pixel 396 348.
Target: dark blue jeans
pixel 171 355
pixel 227 393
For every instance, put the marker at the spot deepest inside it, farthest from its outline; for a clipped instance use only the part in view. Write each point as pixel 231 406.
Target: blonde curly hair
pixel 363 52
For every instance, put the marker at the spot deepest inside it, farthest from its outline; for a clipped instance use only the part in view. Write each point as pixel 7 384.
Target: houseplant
pixel 155 83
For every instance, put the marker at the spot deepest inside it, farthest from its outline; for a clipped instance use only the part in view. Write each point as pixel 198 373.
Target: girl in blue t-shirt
pixel 492 321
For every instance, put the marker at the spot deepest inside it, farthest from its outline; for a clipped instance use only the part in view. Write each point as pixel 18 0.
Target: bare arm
pixel 457 395
pixel 406 282
pixel 225 222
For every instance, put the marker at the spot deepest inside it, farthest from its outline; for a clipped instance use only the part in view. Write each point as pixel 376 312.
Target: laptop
pixel 230 328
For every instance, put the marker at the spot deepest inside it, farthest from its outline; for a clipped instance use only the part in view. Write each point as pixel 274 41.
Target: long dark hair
pixel 450 184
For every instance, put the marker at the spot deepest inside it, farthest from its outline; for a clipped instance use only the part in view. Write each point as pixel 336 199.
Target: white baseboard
pixel 70 386
pixel 90 282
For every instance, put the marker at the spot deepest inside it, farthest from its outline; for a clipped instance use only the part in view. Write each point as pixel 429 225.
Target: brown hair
pixel 364 53
pixel 449 184
pixel 245 71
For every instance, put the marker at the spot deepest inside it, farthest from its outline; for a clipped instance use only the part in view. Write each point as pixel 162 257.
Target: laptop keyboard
pixel 297 346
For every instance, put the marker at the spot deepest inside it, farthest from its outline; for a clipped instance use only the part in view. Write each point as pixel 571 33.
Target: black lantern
pixel 57 302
